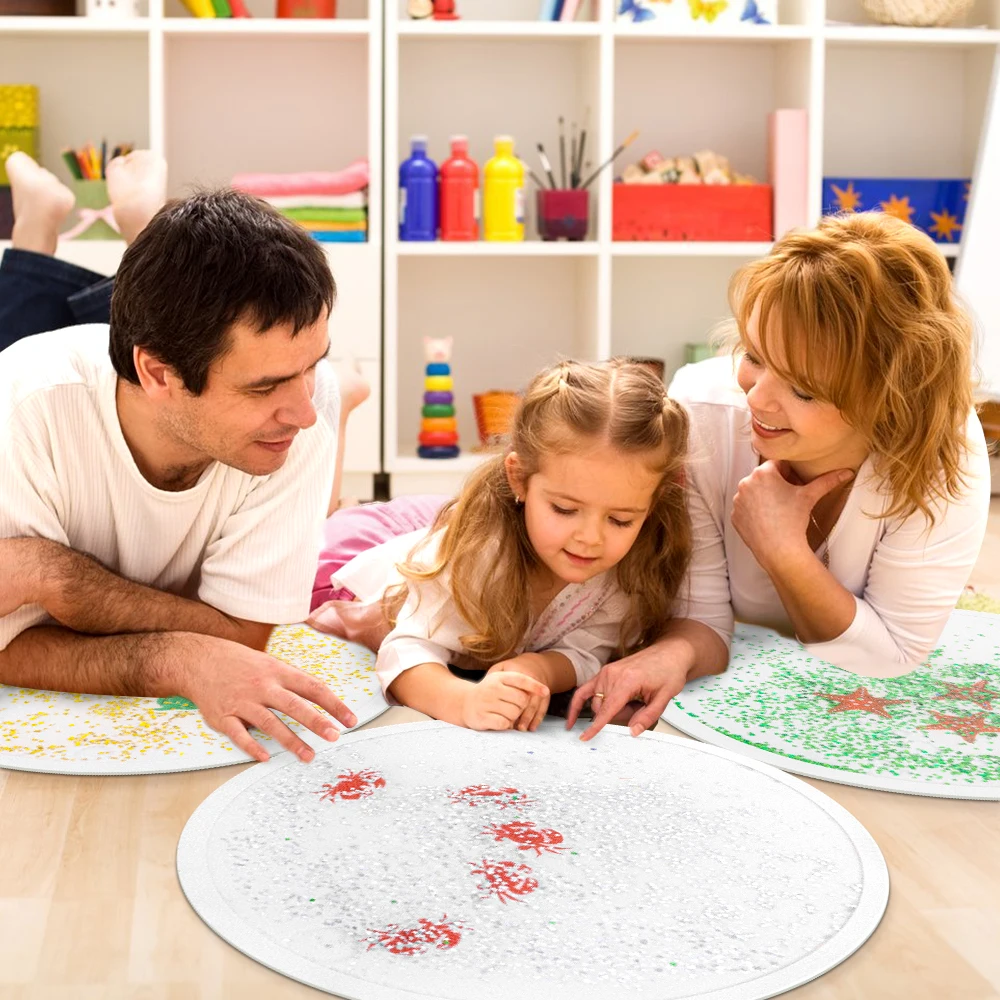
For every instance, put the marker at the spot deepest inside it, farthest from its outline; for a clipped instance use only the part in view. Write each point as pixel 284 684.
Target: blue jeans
pixel 40 293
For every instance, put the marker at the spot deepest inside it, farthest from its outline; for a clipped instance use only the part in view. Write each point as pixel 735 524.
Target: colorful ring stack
pixel 438 426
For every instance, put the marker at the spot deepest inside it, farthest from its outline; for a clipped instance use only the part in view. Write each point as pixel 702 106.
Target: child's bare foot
pixel 354 388
pixel 41 203
pixel 137 189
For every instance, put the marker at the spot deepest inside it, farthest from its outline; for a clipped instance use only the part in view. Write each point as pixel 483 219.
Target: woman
pixel 839 487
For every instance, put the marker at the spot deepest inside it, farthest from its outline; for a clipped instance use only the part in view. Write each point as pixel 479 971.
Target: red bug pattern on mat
pixel 353 785
pixel 506 880
pixel 527 836
pixel 475 795
pixel 416 940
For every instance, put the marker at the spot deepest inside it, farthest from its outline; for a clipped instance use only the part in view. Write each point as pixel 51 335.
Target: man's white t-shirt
pixel 246 545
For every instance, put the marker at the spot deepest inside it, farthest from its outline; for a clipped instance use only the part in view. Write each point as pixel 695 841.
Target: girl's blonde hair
pixel 485 543
pixel 860 312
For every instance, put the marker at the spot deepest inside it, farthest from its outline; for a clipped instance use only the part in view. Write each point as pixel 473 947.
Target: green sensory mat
pixel 934 731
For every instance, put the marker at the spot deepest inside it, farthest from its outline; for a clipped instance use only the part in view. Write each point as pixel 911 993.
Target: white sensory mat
pixel 99 734
pixel 429 861
pixel 934 731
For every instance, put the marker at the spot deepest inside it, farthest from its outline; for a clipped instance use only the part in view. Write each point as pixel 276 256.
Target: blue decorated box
pixel 935 206
pixel 707 14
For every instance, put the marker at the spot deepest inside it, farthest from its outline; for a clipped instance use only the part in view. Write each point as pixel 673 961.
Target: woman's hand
pixel 771 511
pixel 652 676
pixel 500 699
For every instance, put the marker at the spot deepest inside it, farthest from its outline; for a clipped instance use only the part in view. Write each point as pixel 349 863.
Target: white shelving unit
pixel 219 98
pixel 883 101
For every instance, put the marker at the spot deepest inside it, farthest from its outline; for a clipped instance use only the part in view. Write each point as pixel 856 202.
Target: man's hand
pixel 500 699
pixel 236 687
pixel 538 705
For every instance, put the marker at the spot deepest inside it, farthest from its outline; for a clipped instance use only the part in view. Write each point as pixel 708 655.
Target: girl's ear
pixel 515 475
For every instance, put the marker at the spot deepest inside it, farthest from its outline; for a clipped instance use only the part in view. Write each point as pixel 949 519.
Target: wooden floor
pixel 90 906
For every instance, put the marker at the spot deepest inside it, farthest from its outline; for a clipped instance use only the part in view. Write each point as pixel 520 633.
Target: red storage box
pixel 725 212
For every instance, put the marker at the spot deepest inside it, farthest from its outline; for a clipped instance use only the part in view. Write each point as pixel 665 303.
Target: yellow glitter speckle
pixel 74 728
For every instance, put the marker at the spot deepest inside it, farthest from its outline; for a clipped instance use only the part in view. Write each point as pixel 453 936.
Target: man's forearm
pixel 141 665
pixel 80 593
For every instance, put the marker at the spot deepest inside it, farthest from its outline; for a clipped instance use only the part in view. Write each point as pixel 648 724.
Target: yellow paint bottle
pixel 503 193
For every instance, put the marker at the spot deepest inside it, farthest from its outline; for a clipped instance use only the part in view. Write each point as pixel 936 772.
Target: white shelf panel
pixel 626 31
pixel 89 26
pixel 528 248
pixel 690 248
pixel 895 35
pixel 465 462
pixel 498 29
pixel 241 27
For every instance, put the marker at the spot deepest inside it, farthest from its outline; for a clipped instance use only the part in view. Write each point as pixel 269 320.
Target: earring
pixel 517 498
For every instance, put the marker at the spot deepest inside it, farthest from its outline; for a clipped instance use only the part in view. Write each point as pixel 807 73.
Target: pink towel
pixel 352 178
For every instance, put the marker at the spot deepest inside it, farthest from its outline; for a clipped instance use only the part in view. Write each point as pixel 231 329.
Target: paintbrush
pixel 574 174
pixel 546 166
pixel 611 159
pixel 562 151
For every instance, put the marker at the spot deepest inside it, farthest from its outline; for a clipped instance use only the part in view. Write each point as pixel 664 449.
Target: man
pixel 163 484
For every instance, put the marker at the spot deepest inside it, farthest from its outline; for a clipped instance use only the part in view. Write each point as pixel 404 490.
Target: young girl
pixel 558 556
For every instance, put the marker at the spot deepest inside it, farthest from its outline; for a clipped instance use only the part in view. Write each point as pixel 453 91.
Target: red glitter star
pixel 977 693
pixel 966 726
pixel 861 700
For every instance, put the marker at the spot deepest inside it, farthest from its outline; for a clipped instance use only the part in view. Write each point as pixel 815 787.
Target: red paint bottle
pixel 459 193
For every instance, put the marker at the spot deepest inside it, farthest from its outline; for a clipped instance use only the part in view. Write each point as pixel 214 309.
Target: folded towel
pixel 315 214
pixel 340 237
pixel 335 227
pixel 352 178
pixel 356 199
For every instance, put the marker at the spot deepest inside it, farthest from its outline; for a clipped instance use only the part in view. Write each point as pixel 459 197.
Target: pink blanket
pixel 352 178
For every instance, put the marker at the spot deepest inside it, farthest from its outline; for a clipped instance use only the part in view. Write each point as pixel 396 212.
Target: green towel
pixel 326 214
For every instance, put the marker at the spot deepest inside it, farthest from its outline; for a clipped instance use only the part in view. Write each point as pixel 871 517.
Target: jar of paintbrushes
pixel 563 207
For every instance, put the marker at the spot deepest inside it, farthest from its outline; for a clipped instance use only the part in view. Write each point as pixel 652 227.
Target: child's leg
pixel 352 530
pixel 354 390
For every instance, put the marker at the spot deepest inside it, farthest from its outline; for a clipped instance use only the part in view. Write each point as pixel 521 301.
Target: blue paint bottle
pixel 418 193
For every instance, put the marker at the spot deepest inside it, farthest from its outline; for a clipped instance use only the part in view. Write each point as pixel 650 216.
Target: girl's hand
pixel 500 699
pixel 534 712
pixel 771 513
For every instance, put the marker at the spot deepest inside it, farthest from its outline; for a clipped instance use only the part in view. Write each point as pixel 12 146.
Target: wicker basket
pixel 917 13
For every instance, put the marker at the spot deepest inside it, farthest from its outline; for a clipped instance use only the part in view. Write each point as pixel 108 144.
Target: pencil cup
pixel 89 219
pixel 563 214
pixel 112 10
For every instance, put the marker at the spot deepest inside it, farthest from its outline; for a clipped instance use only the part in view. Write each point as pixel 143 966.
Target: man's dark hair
pixel 201 265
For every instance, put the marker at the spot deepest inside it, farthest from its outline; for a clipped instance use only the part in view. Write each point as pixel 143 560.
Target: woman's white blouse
pixel 904 577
